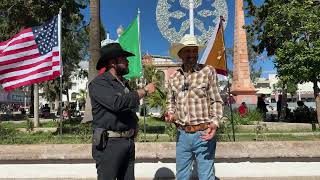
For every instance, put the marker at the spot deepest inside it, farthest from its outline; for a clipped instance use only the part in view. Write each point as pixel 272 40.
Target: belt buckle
pixel 121 133
pixel 195 128
pixel 188 128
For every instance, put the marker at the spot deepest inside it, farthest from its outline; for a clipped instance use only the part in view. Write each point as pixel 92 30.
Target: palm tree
pixel 94 48
pixel 81 96
pixel 157 99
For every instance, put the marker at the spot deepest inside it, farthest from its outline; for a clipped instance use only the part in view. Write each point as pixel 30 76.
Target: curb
pixel 226 152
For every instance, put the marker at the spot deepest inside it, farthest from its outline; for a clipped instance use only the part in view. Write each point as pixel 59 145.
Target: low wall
pixel 280 127
pixel 226 152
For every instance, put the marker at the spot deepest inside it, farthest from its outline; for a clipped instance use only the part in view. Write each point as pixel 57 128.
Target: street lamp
pixel 25 90
pixel 299 94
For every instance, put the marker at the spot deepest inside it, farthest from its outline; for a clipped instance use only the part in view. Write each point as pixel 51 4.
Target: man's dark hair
pixel 300 103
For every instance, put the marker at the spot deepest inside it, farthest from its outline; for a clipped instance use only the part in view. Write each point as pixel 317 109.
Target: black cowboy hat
pixel 111 51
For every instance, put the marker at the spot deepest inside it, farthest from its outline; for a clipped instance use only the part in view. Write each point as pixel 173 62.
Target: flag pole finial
pixel 222 18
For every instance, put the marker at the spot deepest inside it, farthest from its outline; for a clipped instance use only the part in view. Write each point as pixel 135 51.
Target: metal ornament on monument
pixel 200 17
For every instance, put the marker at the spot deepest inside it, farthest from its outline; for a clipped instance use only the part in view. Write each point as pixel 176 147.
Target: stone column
pixel 242 86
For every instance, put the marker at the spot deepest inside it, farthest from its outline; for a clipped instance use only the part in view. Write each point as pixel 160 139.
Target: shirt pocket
pixel 177 90
pixel 199 90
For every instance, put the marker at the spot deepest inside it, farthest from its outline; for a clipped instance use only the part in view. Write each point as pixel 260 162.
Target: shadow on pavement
pixel 164 174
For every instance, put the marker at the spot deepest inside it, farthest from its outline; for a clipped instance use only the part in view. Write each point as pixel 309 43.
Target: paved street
pixel 144 171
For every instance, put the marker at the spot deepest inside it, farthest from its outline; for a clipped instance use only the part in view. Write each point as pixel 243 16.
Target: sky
pixel 122 12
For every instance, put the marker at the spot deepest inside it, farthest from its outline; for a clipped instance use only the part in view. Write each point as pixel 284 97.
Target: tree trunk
pixel 68 97
pixel 317 98
pixel 31 111
pixel 56 102
pixel 94 48
pixel 36 106
pixel 68 104
pixel 283 102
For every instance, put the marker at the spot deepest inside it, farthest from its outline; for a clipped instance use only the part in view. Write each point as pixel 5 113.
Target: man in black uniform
pixel 114 117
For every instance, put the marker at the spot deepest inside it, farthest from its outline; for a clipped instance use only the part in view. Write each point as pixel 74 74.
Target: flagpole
pixel 143 101
pixel 61 71
pixel 139 35
pixel 229 93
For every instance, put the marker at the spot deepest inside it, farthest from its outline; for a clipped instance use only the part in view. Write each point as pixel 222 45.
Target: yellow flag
pixel 214 54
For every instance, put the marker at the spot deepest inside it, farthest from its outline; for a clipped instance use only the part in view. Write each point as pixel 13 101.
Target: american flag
pixel 31 56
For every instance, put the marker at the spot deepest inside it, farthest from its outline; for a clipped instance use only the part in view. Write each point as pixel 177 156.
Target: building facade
pixel 268 86
pixel 165 65
pixel 15 97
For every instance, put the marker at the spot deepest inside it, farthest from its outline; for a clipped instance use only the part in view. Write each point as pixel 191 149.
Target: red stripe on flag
pixel 55 53
pixel 19 59
pixel 23 40
pixel 48 59
pixel 19 40
pixel 15 36
pixel 13 78
pixel 46 78
pixel 21 50
pixel 56 73
pixel 55 63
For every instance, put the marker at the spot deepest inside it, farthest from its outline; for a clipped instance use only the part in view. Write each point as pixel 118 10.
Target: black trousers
pixel 116 161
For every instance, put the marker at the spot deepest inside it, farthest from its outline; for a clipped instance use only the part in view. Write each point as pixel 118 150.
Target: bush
pixel 7 135
pixel 254 116
pixel 171 130
pixel 225 131
pixel 249 119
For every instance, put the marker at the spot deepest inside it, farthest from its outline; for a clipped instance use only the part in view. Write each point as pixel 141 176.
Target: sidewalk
pixel 148 171
pixel 285 160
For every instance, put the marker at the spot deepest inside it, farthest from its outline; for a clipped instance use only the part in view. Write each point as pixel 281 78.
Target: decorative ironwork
pixel 173 21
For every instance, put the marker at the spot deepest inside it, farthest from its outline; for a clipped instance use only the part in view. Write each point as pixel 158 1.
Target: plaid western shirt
pixel 195 98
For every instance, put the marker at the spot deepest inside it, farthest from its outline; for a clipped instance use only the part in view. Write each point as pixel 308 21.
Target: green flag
pixel 130 41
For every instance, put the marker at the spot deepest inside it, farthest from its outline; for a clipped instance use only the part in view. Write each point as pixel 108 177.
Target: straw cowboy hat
pixel 111 51
pixel 187 40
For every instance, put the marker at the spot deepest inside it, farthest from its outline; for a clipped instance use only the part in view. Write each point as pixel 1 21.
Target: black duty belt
pixel 119 134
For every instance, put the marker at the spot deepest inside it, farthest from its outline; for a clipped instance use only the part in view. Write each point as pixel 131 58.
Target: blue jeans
pixel 190 145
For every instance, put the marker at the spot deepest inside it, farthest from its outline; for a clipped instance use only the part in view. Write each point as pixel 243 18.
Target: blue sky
pixel 121 12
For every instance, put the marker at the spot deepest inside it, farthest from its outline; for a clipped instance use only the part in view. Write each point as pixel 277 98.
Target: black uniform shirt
pixel 112 107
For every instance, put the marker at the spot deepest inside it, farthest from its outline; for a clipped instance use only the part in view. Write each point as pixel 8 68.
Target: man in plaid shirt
pixel 195 106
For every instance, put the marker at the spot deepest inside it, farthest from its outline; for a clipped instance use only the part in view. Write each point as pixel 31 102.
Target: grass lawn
pixel 156 131
pixel 270 137
pixel 51 138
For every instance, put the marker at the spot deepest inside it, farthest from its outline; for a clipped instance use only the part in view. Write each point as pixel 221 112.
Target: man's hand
pixel 150 88
pixel 169 117
pixel 210 132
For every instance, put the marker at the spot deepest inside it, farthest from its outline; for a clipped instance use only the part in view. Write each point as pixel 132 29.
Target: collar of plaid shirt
pixel 196 67
pixel 200 101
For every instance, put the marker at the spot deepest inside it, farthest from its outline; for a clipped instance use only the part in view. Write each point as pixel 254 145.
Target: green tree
pixel 292 87
pixel 158 98
pixel 255 72
pixel 81 97
pixel 289 31
pixel 286 87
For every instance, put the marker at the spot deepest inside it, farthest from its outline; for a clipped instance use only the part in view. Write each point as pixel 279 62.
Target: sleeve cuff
pixel 216 122
pixel 171 111
pixel 136 98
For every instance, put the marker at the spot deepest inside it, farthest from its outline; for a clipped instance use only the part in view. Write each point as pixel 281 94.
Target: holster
pixel 100 138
